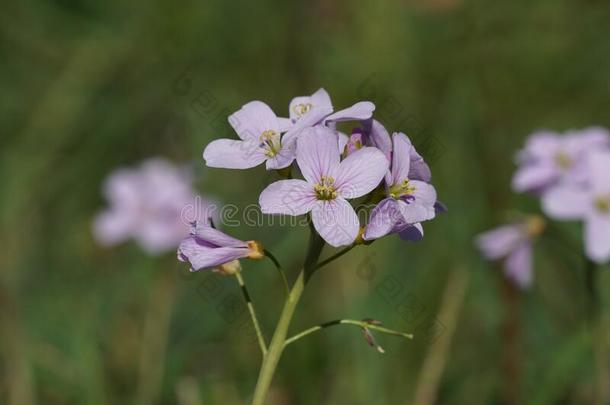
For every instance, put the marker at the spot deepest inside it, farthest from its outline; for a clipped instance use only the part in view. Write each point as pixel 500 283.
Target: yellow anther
pixel 268 141
pixel 603 204
pixel 401 189
pixel 325 190
pixel 301 109
pixel 563 160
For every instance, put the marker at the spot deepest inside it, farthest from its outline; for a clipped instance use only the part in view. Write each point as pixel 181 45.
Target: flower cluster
pixel 153 204
pixel 571 175
pixel 368 164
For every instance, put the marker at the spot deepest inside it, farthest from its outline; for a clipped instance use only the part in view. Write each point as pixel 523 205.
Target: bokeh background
pixel 86 86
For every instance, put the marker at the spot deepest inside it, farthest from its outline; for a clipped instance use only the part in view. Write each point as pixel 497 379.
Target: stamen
pixel 563 160
pixel 267 140
pixel 602 204
pixel 302 109
pixel 402 189
pixel 325 190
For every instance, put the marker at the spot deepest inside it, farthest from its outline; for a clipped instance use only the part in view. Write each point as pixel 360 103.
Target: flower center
pixel 268 142
pixel 563 160
pixel 401 189
pixel 602 203
pixel 325 190
pixel 302 109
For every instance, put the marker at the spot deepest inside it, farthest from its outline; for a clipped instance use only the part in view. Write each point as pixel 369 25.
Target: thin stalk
pixel 271 257
pixel 276 347
pixel 257 328
pixel 333 257
pixel 360 324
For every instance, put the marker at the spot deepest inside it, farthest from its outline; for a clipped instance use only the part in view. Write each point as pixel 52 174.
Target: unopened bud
pixel 228 269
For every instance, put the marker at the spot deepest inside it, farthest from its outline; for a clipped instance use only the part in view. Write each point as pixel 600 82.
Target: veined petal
pixel 253 119
pixel 317 153
pixel 360 111
pixel 597 238
pixel 283 159
pixel 343 141
pixel 383 219
pixel 419 206
pixel 284 124
pixel 230 154
pixel 289 197
pixel 201 256
pixel 335 221
pixel 360 172
pixel 419 169
pixel 401 157
pixel 379 137
pixel 566 202
pixel 214 236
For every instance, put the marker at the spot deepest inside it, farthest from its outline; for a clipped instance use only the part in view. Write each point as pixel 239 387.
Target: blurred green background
pixel 86 86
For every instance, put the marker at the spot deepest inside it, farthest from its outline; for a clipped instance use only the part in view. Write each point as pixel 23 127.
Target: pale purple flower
pixel 590 203
pixel 549 158
pixel 512 243
pixel 409 200
pixel 329 183
pixel 259 130
pixel 150 204
pixel 207 247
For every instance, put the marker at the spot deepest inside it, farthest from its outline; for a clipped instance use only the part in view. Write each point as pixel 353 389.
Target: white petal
pixel 383 219
pixel 289 197
pixel 317 153
pixel 360 172
pixel 566 202
pixel 597 238
pixel 253 119
pixel 401 157
pixel 230 154
pixel 336 222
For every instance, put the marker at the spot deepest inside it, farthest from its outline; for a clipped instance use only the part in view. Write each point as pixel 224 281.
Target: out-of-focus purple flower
pixel 549 158
pixel 590 202
pixel 152 204
pixel 260 132
pixel 409 200
pixel 207 247
pixel 513 244
pixel 329 183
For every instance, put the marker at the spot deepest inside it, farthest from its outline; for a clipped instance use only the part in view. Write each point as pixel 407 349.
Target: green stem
pixel 276 347
pixel 360 324
pixel 257 328
pixel 334 257
pixel 279 269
